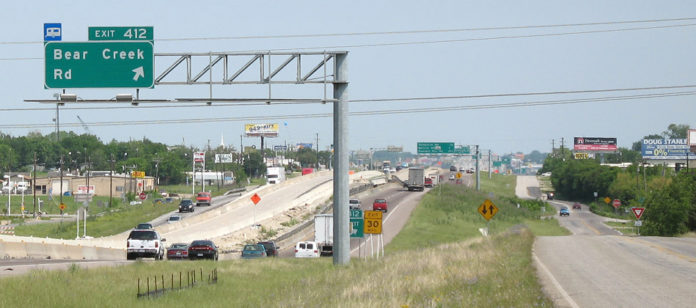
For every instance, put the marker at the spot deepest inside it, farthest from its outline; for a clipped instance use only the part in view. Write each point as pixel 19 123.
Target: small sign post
pixel 256 199
pixel 638 212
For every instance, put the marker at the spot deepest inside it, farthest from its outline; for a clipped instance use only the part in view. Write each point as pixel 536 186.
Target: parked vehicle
pixel 271 248
pixel 177 251
pixel 144 226
pixel 186 205
pixel 415 179
pixel 354 204
pixel 203 198
pixel 275 175
pixel 253 251
pixel 306 250
pixel 380 205
pixel 203 249
pixel 174 218
pixel 323 234
pixel 144 244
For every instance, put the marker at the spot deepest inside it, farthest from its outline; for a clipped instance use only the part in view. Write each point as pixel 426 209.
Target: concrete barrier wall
pixel 43 250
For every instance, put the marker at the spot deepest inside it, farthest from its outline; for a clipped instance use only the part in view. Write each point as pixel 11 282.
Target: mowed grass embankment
pixel 122 219
pixel 436 261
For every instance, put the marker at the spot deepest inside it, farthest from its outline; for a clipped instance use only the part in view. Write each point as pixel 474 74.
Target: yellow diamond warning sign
pixel 487 209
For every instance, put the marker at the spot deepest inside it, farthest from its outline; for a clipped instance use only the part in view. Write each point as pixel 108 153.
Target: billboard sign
pixel 85 189
pixel 198 157
pixel 668 149
pixel 691 134
pixel 261 130
pixel 304 145
pixel 223 158
pixel 594 144
pixel 280 148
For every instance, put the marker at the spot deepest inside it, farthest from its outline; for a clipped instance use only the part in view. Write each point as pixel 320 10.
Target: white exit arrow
pixel 139 72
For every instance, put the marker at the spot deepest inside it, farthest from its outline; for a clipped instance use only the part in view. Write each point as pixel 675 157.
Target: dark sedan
pixel 271 248
pixel 203 249
pixel 186 205
pixel 177 251
pixel 252 251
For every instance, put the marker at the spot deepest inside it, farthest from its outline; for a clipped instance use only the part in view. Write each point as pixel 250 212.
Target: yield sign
pixel 487 209
pixel 255 198
pixel 638 211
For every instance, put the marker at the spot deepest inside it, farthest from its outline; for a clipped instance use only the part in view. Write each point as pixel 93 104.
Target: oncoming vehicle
pixel 253 251
pixel 380 205
pixel 577 206
pixel 178 251
pixel 144 244
pixel 453 168
pixel 354 203
pixel 564 211
pixel 174 218
pixel 186 205
pixel 203 249
pixel 144 226
pixel 306 250
pixel 203 198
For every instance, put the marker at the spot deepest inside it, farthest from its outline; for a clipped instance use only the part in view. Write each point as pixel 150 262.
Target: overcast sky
pixel 518 58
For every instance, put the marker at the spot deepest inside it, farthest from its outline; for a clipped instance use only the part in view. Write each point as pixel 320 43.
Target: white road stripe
pixel 555 282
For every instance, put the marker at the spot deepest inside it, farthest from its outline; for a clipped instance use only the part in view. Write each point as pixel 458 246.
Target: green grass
pixel 109 224
pixel 438 260
pixel 625 228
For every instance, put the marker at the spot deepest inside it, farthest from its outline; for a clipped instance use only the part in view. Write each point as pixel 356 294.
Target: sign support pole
pixel 341 218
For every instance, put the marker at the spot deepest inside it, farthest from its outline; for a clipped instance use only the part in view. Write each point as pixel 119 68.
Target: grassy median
pixel 438 260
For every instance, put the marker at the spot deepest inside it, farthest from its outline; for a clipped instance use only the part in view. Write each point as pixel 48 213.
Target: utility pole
pixel 478 176
pixel 317 151
pixel 157 161
pixel 111 181
pixel 87 162
pixel 553 147
pixel 33 183
pixel 490 166
pixel 61 182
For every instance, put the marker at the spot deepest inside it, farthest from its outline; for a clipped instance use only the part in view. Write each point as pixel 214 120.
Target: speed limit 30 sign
pixel 373 222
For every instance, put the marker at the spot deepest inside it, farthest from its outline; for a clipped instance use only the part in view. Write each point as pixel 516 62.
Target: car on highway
pixel 380 204
pixel 144 226
pixel 253 251
pixel 564 211
pixel 428 182
pixel 549 196
pixel 177 251
pixel 174 218
pixel 186 205
pixel 470 170
pixel 354 203
pixel 203 198
pixel 203 249
pixel 307 250
pixel 453 168
pixel 271 248
pixel 577 206
pixel 451 177
pixel 144 244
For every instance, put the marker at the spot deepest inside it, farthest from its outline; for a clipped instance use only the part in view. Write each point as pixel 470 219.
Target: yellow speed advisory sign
pixel 373 222
pixel 487 209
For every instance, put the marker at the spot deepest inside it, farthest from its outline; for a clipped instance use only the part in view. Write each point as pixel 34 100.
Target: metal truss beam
pixel 231 74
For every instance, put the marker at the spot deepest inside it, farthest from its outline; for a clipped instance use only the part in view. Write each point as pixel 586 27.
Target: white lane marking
pixel 555 282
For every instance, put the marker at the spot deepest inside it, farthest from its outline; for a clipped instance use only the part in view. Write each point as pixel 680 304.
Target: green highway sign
pixel 356 213
pixel 99 64
pixel 462 150
pixel 435 147
pixel 121 33
pixel 357 226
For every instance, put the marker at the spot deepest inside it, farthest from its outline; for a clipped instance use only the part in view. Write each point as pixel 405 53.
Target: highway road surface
pixel 598 267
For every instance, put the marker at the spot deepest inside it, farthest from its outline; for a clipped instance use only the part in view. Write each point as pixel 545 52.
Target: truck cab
pixel 203 198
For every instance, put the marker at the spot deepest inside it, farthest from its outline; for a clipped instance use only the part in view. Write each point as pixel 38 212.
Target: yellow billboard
pixel 258 130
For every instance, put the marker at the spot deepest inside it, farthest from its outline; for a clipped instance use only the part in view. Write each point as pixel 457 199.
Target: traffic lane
pixel 614 271
pixel 401 203
pixel 18 267
pixel 684 248
pixel 582 222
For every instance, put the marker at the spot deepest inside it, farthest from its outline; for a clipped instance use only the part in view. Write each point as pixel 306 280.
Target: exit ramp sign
pixel 99 64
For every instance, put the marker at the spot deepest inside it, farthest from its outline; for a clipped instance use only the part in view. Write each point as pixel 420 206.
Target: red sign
pixel 594 144
pixel 143 196
pixel 638 211
pixel 198 157
pixel 255 198
pixel 616 203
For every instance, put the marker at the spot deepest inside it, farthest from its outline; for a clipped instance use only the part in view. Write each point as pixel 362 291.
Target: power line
pixel 401 99
pixel 426 31
pixel 366 113
pixel 437 41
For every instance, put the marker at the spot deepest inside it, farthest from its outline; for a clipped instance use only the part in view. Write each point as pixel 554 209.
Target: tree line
pixel 668 195
pixel 170 163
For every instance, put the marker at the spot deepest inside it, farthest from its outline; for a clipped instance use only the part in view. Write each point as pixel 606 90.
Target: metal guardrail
pixel 159 289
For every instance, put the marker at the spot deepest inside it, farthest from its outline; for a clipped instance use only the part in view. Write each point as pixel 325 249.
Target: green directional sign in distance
pixel 435 147
pixel 108 64
pixel 462 150
pixel 121 33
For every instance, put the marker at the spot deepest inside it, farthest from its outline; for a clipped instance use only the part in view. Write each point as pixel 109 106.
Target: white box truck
pixel 323 233
pixel 416 177
pixel 275 175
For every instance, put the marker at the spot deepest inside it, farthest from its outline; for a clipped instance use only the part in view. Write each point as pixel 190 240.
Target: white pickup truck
pixel 144 243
